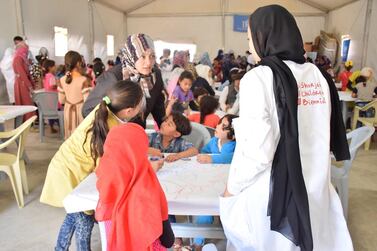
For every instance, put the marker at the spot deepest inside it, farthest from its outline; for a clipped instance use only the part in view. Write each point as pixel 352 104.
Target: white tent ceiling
pixel 128 6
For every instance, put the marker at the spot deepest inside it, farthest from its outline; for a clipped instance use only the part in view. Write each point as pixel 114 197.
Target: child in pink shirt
pixel 49 80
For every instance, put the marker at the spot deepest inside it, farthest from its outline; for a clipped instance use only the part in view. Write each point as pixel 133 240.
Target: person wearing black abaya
pixel 279 195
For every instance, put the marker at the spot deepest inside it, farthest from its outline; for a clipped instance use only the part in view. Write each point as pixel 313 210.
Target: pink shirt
pixel 49 83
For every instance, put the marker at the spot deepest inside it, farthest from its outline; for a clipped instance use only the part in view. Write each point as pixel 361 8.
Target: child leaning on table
pixel 221 147
pixel 78 155
pixel 169 139
pixel 131 202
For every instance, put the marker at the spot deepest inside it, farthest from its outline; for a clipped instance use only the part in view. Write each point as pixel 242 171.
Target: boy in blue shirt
pixel 221 149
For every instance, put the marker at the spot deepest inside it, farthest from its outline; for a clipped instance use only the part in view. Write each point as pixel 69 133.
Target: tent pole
pixel 91 29
pixel 368 15
pixel 223 24
pixel 19 18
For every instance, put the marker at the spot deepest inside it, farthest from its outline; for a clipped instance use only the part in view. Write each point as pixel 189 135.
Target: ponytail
pixel 71 60
pixel 125 94
pixel 99 131
pixel 68 78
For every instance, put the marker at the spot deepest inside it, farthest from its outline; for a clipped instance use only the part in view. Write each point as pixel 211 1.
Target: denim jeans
pixel 80 223
pixel 202 220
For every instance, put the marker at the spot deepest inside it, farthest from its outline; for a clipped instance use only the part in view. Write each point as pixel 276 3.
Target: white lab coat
pixel 244 215
pixel 6 67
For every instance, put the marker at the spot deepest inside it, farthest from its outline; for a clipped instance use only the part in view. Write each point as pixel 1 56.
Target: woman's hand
pixel 157 164
pixel 226 192
pixel 204 159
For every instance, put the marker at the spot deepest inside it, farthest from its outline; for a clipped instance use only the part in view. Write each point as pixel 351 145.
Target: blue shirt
pixel 177 145
pixel 224 156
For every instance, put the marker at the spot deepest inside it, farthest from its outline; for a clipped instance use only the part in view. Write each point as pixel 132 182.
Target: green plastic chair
pixel 14 165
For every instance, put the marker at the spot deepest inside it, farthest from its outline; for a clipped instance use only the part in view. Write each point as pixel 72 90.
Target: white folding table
pixel 191 188
pixel 345 97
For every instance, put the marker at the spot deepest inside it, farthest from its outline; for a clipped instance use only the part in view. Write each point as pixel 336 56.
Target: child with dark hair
pixel 219 150
pixel 199 93
pixel 98 69
pixel 110 64
pixel 73 89
pixel 17 40
pixel 182 91
pixel 77 157
pixel 208 106
pixel 49 70
pixel 50 84
pixel 169 139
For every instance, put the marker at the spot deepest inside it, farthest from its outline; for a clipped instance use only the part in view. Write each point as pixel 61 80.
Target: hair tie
pixel 68 73
pixel 107 100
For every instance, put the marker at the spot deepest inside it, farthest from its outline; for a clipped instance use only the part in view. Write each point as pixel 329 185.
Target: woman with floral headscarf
pixel 22 84
pixel 139 65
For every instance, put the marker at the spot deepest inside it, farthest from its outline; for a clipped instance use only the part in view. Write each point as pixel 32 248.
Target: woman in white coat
pixel 7 70
pixel 279 195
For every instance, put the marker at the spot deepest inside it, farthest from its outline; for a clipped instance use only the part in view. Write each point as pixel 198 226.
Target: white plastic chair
pixel 339 175
pixel 211 131
pixel 14 165
pixel 47 103
pixel 209 247
pixel 199 135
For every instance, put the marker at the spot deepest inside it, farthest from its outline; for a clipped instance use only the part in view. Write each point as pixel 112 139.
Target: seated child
pixel 183 91
pixel 364 91
pixel 169 139
pixel 221 147
pixel 198 94
pixel 207 116
pixel 127 183
pixel 229 98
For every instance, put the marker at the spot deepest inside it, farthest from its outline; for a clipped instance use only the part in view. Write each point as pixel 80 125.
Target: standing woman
pixel 73 89
pixel 7 70
pixel 279 194
pixel 22 85
pixel 139 66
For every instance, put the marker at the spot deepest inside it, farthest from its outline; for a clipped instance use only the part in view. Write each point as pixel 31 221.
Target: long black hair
pixel 124 94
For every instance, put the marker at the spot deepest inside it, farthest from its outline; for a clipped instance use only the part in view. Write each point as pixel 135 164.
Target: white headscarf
pixel 6 66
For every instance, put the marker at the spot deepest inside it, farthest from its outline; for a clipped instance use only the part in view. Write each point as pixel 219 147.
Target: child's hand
pixel 154 152
pixel 157 164
pixel 204 159
pixel 172 157
pixel 172 100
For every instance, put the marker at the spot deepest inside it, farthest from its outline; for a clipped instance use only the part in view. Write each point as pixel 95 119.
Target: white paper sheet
pixel 190 188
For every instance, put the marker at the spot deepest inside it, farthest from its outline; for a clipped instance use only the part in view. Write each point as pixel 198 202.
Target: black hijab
pixel 276 37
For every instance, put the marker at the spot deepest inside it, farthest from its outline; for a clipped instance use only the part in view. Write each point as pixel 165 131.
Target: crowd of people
pixel 271 201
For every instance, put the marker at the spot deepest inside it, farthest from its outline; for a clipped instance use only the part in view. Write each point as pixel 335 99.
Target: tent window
pixel 110 45
pixel 61 41
pixel 161 45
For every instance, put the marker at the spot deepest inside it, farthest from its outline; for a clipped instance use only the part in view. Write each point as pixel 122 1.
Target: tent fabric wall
pixel 40 17
pixel 8 24
pixel 371 59
pixel 350 20
pixel 200 22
